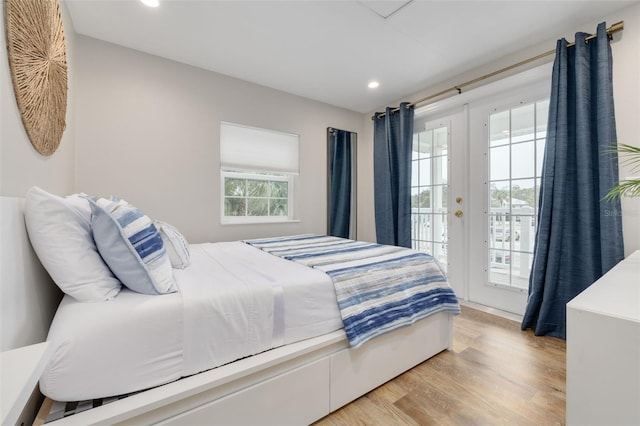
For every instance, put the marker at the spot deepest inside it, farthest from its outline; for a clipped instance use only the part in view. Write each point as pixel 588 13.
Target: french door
pixel 475 185
pixel 437 192
pixel 509 138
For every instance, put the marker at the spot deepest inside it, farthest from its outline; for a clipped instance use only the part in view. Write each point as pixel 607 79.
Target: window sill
pixel 258 222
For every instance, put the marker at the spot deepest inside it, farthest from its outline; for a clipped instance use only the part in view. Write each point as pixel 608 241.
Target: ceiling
pixel 329 50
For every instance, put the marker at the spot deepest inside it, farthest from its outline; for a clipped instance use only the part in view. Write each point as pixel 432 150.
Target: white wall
pixel 148 131
pixel 626 82
pixel 626 88
pixel 21 166
pixel 28 296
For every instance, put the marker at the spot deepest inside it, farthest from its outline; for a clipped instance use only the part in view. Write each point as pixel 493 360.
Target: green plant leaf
pixel 626 188
pixel 630 156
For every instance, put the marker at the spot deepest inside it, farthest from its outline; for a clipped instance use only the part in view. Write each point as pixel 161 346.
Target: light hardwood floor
pixel 495 375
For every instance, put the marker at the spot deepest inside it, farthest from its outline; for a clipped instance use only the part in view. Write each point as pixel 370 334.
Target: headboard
pixel 28 296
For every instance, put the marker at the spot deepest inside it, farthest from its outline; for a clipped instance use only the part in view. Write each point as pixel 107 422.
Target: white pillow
pixel 60 233
pixel 176 245
pixel 132 246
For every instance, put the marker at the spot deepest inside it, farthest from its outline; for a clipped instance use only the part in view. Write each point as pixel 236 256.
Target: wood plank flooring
pixel 495 375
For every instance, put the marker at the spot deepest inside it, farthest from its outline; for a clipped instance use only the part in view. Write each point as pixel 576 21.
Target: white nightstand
pixel 20 370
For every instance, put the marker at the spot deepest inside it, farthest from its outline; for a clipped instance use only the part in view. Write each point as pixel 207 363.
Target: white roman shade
pixel 251 148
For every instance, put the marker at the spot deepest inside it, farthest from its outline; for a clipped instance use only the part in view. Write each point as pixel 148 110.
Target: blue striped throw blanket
pixel 379 288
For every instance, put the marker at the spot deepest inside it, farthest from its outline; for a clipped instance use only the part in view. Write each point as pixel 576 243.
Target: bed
pixel 268 332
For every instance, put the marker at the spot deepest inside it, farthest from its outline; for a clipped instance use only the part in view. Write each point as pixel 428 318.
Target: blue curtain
pixel 579 235
pixel 339 183
pixel 392 144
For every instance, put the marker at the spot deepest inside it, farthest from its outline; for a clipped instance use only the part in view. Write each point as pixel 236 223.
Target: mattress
pixel 234 301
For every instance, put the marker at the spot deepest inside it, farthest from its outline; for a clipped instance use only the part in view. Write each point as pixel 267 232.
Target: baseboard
pixel 493 311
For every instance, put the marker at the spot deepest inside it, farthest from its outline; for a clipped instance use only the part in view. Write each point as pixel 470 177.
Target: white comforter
pixel 234 301
pixel 262 302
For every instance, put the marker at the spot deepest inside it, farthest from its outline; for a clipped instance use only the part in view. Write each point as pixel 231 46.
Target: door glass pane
pixel 499 197
pixel 440 171
pixel 499 266
pixel 499 129
pixel 522 155
pixel 539 156
pixel 522 123
pixel 425 171
pixel 422 144
pixel 429 192
pixel 424 198
pixel 500 232
pixel 415 171
pixel 439 194
pixel 439 237
pixel 514 188
pixel 542 115
pixel 415 199
pixel 523 197
pixel 521 269
pixel 536 205
pixel 499 162
pixel 440 141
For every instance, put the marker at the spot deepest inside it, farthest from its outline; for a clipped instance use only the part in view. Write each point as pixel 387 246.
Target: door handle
pixel 458 213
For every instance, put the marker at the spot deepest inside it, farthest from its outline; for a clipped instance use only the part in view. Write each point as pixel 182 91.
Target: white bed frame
pixel 295 384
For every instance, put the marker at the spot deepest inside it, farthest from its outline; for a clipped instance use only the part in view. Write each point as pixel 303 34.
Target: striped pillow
pixel 176 245
pixel 131 246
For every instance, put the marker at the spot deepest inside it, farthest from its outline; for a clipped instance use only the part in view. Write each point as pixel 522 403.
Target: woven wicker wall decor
pixel 38 64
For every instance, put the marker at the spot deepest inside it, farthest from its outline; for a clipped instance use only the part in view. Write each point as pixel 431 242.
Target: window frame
pixel 262 176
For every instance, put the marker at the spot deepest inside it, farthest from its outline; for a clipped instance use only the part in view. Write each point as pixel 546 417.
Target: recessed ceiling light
pixel 373 84
pixel 151 3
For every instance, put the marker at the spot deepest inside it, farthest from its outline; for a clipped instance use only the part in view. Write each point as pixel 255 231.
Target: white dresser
pixel 603 349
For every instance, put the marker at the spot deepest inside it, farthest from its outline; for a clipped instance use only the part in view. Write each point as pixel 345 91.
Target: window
pixel 429 191
pixel 257 173
pixel 256 195
pixel 516 147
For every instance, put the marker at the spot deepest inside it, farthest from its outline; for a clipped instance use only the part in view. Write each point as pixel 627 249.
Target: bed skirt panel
pixel 357 371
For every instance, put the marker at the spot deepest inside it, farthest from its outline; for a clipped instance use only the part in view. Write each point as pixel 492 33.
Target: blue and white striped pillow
pixel 131 246
pixel 175 243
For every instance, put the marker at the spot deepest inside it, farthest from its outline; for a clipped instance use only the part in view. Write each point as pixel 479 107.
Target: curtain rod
pixel 618 26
